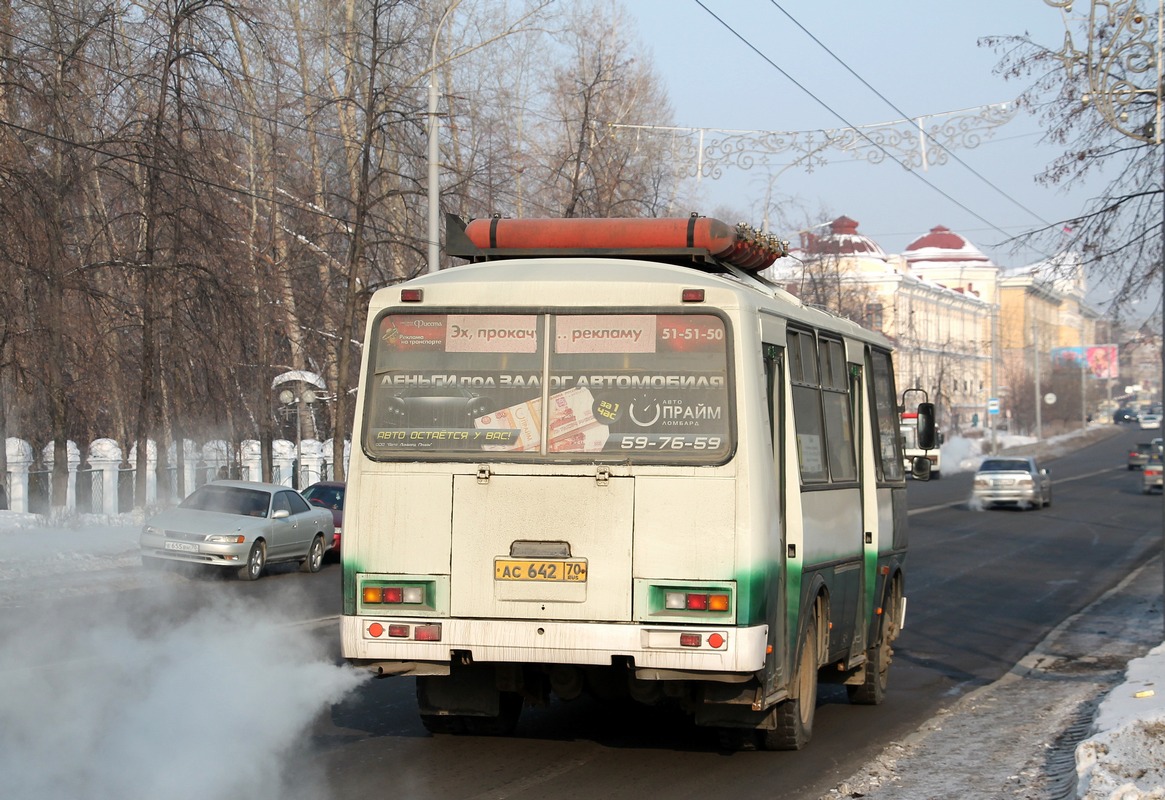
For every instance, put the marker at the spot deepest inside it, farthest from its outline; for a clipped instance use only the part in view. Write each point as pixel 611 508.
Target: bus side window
pixel 772 362
pixel 839 430
pixel 888 456
pixel 811 452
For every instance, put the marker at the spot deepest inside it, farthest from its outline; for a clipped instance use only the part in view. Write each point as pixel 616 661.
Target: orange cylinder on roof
pixel 602 234
pixel 623 236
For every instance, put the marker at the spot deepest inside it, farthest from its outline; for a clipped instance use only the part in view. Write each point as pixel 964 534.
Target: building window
pixel 873 316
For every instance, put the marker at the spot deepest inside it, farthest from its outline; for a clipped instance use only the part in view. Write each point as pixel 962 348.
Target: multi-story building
pixel 965 329
pixel 941 332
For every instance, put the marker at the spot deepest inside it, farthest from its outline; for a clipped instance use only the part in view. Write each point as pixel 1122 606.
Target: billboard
pixel 1101 359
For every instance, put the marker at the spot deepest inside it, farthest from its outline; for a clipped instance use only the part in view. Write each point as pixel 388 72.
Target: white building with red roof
pixel 940 329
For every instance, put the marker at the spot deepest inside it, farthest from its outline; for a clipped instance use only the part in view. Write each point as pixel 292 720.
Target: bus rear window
pixel 608 387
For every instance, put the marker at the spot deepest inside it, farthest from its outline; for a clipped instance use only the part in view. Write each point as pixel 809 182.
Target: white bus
pixel 912 448
pixel 601 458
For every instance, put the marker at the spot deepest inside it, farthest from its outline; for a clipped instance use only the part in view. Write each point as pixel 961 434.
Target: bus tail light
pixel 696 601
pixel 686 639
pixel 393 595
pixel 430 632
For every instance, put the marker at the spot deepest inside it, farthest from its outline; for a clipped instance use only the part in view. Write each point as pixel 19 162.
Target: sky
pixel 922 56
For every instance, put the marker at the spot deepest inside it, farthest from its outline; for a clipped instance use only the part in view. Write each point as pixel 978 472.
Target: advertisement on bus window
pixel 654 385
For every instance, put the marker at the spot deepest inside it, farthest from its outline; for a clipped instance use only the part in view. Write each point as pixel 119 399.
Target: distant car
pixel 239 525
pixel 329 495
pixel 1124 415
pixel 1139 454
pixel 1150 422
pixel 1013 480
pixel 1151 474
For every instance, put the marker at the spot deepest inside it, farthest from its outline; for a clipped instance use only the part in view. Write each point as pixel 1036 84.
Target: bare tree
pixel 196 197
pixel 590 170
pixel 1119 232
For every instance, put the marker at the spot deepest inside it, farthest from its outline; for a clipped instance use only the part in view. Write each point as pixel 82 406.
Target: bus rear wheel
pixel 795 715
pixel 876 676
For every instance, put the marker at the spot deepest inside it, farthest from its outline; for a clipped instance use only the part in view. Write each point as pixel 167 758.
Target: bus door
pixel 774 358
pixel 831 501
pixel 869 502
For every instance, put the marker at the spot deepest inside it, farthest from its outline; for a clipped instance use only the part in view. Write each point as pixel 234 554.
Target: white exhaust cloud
pixel 216 705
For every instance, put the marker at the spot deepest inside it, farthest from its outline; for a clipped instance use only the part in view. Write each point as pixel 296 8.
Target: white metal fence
pixel 102 480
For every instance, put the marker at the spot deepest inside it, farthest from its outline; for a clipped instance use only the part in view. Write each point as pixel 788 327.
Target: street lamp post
pixel 290 398
pixel 434 154
pixel 1111 66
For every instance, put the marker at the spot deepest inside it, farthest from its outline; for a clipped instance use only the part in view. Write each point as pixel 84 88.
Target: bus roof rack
pixel 700 242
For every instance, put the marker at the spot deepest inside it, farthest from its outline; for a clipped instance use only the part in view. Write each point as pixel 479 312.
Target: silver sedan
pixel 241 525
pixel 1015 480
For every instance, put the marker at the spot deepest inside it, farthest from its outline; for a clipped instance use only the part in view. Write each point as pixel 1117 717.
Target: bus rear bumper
pixel 674 649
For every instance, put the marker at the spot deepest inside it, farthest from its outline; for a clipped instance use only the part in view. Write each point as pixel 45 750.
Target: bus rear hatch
pixel 540 547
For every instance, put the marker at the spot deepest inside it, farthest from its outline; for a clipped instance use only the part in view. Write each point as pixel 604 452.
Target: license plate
pixel 184 547
pixel 510 569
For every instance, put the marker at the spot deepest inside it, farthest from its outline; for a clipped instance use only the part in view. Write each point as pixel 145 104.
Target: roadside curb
pixel 1016 737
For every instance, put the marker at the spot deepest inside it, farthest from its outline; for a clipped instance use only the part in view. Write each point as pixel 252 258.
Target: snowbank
pixel 1125 757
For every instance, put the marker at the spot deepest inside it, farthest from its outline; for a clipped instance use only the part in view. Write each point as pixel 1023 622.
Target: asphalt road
pixel 983 588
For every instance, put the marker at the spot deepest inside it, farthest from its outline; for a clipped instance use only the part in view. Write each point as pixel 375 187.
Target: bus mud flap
pixel 736 706
pixel 469 690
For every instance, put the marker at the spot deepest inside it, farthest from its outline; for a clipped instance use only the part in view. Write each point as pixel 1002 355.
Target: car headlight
pixel 150 530
pixel 226 538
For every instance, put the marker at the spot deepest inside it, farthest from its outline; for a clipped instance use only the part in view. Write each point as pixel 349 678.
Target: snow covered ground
pixel 1125 758
pixel 997 741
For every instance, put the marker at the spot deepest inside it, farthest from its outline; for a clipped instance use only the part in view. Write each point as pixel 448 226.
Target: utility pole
pixel 1036 371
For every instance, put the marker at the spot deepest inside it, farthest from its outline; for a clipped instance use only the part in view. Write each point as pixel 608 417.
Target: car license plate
pixel 511 569
pixel 184 547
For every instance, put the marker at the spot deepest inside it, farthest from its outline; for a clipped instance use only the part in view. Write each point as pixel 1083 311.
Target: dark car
pixel 329 495
pixel 1125 415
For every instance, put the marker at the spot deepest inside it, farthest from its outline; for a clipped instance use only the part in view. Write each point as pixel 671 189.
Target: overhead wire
pixel 890 156
pixel 892 105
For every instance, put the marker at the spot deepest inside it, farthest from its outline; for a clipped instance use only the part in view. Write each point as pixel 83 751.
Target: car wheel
pixel 315 556
pixel 795 715
pixel 1048 499
pixel 256 560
